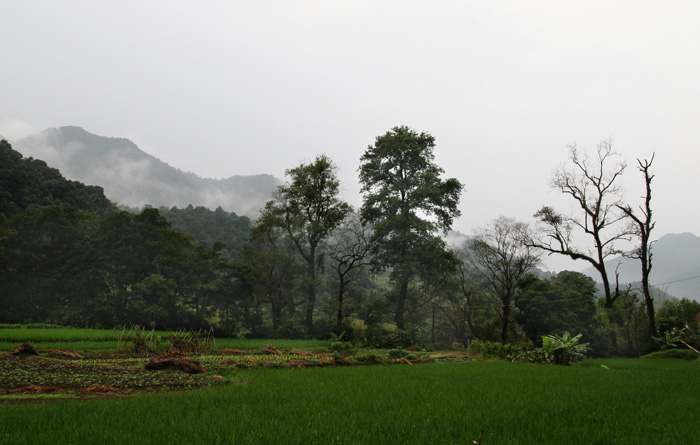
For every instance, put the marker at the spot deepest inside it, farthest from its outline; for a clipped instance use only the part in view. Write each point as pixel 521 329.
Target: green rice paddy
pixel 615 401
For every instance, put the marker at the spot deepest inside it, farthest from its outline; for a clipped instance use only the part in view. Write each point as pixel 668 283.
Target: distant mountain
pixel 675 266
pixel 133 178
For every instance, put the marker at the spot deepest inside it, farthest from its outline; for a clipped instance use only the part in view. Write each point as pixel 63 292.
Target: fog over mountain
pixel 675 266
pixel 134 178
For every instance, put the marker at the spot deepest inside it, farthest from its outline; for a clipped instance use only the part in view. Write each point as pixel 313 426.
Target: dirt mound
pixel 231 351
pixel 175 360
pixel 301 352
pixel 62 352
pixel 35 389
pixel 270 350
pixel 25 348
pixel 99 389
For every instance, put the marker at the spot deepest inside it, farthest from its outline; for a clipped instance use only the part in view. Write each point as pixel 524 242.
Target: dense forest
pixel 311 265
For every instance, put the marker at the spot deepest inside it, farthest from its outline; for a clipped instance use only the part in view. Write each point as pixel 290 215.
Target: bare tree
pixel 592 184
pixel 348 248
pixel 501 257
pixel 642 225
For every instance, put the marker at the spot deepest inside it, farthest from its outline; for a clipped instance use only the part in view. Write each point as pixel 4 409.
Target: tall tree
pixel 642 225
pixel 348 249
pixel 308 208
pixel 501 258
pixel 407 203
pixel 593 185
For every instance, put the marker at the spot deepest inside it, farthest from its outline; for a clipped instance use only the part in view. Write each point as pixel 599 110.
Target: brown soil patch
pixel 231 351
pixel 270 350
pixel 25 348
pixel 36 389
pixel 99 389
pixel 61 352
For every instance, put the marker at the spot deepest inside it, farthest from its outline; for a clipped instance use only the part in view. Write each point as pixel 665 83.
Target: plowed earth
pixel 26 378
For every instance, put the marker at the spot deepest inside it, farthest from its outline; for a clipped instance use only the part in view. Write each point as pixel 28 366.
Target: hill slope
pixel 676 266
pixel 131 177
pixel 26 183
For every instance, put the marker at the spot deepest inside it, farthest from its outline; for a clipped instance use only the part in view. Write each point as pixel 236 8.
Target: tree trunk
pixel 311 297
pixel 649 301
pixel 341 291
pixel 505 320
pixel 401 304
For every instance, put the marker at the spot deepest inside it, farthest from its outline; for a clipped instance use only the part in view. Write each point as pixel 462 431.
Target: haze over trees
pixel 130 177
pixel 310 265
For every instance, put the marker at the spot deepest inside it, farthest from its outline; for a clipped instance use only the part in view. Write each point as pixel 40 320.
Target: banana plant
pixel 563 349
pixel 668 341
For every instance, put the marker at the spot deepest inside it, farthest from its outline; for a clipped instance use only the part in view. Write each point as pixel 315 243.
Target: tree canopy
pixel 407 203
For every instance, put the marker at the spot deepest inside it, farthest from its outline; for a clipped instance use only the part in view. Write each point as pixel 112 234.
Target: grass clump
pixel 684 354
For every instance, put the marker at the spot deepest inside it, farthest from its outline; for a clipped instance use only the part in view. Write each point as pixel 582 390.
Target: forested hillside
pixel 29 183
pixel 68 256
pixel 209 227
pixel 133 178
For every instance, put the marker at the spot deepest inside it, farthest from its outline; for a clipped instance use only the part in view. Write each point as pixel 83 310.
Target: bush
pixel 382 339
pixel 401 353
pixel 340 346
pixel 368 358
pixel 684 354
pixel 494 349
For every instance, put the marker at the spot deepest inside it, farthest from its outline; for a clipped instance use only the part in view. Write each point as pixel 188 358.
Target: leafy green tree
pixel 566 302
pixel 209 227
pixel 309 209
pixel 42 269
pixel 274 271
pixel 407 203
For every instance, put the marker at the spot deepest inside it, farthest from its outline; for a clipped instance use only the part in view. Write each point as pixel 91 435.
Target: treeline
pixel 311 265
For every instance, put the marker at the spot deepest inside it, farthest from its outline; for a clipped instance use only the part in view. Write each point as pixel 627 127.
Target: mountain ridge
pixel 675 266
pixel 134 178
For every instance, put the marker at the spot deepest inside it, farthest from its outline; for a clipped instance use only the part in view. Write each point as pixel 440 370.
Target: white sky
pixel 245 87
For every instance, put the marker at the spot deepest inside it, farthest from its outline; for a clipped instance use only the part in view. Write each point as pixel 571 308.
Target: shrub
pixel 401 353
pixel 684 354
pixel 339 346
pixel 494 349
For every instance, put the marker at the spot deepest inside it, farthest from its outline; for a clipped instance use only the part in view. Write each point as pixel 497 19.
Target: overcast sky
pixel 246 87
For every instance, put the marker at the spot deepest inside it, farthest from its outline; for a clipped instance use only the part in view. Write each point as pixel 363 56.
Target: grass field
pixel 84 340
pixel 627 401
pixel 598 402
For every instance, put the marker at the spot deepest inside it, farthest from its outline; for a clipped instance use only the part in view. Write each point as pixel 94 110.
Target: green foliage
pixel 684 354
pixel 30 183
pixel 407 204
pixel 307 209
pixel 209 227
pixel 341 346
pixel 389 339
pixel 563 303
pixel 400 353
pixel 493 349
pixel 513 403
pixel 563 349
pixel 668 341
